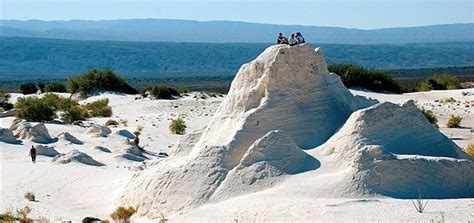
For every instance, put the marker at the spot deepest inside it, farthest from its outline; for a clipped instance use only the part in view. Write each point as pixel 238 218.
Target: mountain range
pixel 168 30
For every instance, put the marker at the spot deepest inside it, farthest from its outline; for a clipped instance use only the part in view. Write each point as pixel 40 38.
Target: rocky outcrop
pixel 66 136
pixel 26 131
pixel 48 151
pixel 6 136
pixel 286 88
pixel 98 131
pixel 130 151
pixel 78 157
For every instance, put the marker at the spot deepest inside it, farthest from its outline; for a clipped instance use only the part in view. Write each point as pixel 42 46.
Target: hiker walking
pixel 281 39
pixel 33 154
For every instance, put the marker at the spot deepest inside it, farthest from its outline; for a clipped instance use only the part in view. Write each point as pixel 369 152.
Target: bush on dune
pixel 29 88
pixel 454 121
pixel 4 101
pixel 105 80
pixel 163 92
pixel 99 108
pixel 122 214
pixel 56 87
pixel 46 108
pixel 358 76
pixel 470 149
pixel 178 126
pixel 440 82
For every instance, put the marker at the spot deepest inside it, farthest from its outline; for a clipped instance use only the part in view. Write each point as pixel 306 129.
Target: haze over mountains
pixel 167 30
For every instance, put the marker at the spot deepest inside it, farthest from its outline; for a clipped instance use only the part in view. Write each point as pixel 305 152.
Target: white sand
pixel 273 189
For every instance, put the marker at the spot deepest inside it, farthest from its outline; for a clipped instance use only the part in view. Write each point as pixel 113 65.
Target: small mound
pixel 129 151
pixel 25 131
pixel 103 149
pixel 125 133
pixel 393 150
pixel 46 151
pixel 267 162
pixel 6 136
pixel 98 131
pixel 66 136
pixel 76 156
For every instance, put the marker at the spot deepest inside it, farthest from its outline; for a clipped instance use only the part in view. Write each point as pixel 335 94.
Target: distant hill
pixel 31 58
pixel 167 30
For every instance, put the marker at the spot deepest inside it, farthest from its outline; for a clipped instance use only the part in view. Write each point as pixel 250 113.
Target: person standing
pixel 33 154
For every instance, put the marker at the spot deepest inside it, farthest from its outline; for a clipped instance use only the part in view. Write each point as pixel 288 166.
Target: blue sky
pixel 365 14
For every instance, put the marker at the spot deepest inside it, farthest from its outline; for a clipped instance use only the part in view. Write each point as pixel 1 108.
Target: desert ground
pixel 75 190
pixel 359 159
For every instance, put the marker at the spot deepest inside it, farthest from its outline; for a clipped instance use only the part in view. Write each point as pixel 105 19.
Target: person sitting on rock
pixel 300 38
pixel 33 154
pixel 293 40
pixel 281 39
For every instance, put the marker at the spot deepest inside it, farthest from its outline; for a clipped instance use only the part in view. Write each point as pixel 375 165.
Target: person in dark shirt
pixel 281 39
pixel 33 154
pixel 293 40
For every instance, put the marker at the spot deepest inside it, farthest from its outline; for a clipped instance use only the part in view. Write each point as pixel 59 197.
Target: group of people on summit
pixel 295 39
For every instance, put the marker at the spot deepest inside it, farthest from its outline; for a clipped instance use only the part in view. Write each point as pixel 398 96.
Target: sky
pixel 363 14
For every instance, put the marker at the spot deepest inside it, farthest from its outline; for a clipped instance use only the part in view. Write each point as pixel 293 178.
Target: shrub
pixel 8 216
pixel 123 214
pixel 358 76
pixel 105 80
pixel 454 121
pixel 440 82
pixel 470 149
pixel 99 108
pixel 35 109
pixel 73 114
pixel 29 88
pixel 430 116
pixel 23 215
pixel 56 87
pixel 178 126
pixel 30 196
pixel 163 92
pixel 183 89
pixel 111 122
pixel 4 101
pixel 448 100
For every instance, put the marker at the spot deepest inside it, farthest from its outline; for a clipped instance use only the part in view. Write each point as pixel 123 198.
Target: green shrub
pixel 178 126
pixel 29 88
pixel 358 76
pixel 4 101
pixel 74 113
pixel 56 87
pixel 23 215
pixel 430 116
pixel 104 80
pixel 99 108
pixel 454 121
pixel 163 92
pixel 183 89
pixel 8 216
pixel 35 109
pixel 122 214
pixel 448 100
pixel 440 82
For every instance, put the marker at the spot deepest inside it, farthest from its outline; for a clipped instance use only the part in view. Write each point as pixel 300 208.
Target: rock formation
pixel 283 110
pixel 25 131
pixel 98 131
pixel 6 136
pixel 76 156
